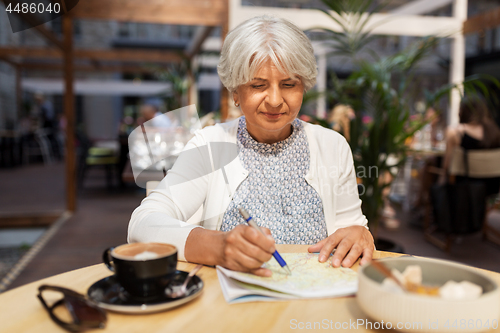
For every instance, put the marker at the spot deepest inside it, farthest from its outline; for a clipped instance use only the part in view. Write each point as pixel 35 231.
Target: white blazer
pixel 197 180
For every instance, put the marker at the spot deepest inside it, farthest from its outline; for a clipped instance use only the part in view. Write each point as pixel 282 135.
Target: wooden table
pixel 20 310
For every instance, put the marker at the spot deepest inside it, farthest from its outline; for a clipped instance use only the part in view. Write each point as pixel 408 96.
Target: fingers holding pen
pixel 239 261
pixel 246 249
pixel 256 244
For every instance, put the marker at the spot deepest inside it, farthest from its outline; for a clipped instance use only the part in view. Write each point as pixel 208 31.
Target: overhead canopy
pixel 205 14
pixel 182 12
pixel 98 87
pixel 122 88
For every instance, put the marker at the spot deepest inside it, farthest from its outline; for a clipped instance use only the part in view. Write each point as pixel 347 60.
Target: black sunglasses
pixel 85 314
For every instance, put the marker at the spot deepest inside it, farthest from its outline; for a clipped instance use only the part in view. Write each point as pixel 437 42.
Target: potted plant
pixel 380 92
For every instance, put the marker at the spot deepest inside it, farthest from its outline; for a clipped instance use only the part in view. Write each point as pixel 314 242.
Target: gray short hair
pixel 252 42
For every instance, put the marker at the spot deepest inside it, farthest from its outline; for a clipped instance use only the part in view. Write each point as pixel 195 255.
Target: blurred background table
pixel 10 148
pixel 415 155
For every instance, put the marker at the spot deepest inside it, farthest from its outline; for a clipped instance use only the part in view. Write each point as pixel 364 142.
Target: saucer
pixel 108 294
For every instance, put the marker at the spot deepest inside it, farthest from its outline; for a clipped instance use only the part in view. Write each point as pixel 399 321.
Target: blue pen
pixel 276 255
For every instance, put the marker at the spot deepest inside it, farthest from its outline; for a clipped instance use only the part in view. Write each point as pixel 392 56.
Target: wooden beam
pixel 200 36
pixel 53 67
pixel 182 12
pixel 224 93
pixel 29 220
pixel 191 99
pixel 49 35
pixel 19 93
pixel 69 113
pixel 30 52
pixel 9 61
pixel 130 55
pixel 483 21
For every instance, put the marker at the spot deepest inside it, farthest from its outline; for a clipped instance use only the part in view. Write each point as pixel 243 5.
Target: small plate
pixel 110 295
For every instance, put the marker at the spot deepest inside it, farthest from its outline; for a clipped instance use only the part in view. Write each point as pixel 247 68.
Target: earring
pixel 236 104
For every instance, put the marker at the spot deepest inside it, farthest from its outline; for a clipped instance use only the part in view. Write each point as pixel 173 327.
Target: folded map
pixel 309 279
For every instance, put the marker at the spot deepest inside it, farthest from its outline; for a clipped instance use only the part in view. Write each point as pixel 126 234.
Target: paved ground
pixel 32 188
pixel 102 217
pixel 470 249
pixel 9 256
pixel 100 221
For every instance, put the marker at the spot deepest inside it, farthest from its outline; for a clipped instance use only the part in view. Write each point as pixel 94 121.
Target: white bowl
pixel 420 313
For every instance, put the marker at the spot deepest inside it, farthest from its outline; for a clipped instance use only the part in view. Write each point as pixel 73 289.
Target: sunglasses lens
pixel 84 313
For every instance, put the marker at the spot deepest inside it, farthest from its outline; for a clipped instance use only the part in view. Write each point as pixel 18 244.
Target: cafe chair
pixel 103 156
pixel 483 165
pixel 37 145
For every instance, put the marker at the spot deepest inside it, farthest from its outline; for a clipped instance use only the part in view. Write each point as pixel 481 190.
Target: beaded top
pixel 275 193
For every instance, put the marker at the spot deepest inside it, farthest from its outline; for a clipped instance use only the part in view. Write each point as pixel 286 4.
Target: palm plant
pixel 178 76
pixel 380 89
pixel 353 17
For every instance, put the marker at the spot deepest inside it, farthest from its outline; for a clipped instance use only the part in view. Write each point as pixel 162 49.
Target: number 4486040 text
pixel 34 8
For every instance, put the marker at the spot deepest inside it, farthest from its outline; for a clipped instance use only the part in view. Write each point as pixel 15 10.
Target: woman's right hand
pixel 246 249
pixel 242 249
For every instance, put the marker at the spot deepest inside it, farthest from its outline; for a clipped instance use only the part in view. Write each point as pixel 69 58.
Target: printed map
pixel 309 278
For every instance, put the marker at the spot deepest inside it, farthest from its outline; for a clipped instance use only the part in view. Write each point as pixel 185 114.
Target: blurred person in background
pixel 45 112
pixel 48 123
pixel 433 132
pixel 436 127
pixel 340 118
pixel 151 116
pixel 476 130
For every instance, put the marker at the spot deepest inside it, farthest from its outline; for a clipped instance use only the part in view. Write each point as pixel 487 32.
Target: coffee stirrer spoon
pixel 384 270
pixel 176 291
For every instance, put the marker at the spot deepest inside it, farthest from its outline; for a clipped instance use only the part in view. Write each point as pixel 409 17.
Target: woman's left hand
pixel 350 243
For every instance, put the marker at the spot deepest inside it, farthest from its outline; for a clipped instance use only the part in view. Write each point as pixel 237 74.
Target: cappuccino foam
pixel 146 255
pixel 143 251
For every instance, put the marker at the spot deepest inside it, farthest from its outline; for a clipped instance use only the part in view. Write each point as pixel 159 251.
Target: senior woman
pixel 296 179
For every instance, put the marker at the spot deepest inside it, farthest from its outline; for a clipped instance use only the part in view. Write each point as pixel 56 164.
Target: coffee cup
pixel 144 270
